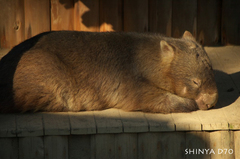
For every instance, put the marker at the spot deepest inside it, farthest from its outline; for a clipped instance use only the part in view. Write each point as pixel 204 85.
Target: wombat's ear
pixel 188 35
pixel 167 52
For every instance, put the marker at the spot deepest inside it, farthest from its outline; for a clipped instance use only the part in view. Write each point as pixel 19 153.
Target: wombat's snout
pixel 206 101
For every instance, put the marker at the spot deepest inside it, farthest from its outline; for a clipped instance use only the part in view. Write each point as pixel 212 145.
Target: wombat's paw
pixel 179 104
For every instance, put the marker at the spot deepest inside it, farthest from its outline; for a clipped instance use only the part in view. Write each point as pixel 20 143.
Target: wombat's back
pixel 70 71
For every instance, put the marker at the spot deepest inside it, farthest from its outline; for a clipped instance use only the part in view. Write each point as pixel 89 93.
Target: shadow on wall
pixel 106 14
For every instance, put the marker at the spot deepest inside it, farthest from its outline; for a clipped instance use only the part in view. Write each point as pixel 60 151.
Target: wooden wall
pixel 211 21
pixel 161 145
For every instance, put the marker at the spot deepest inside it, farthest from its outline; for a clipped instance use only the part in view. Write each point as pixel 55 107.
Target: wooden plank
pixel 230 22
pixel 56 123
pixel 208 22
pixel 160 16
pixel 232 113
pixel 82 123
pixel 220 141
pixel 105 146
pixel 29 124
pixel 11 23
pixel 56 147
pixel 135 16
pixel 184 17
pixel 126 146
pixel 9 148
pixel 108 121
pixel 62 17
pixel 160 122
pixel 149 146
pixel 187 121
pixel 196 144
pixel 110 15
pixel 81 146
pixel 86 15
pixel 8 126
pixel 37 17
pixel 31 147
pixel 134 122
pixel 161 145
pixel 237 144
pixel 3 52
pixel 213 120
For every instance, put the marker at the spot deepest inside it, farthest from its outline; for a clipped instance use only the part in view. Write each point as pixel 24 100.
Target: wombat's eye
pixel 196 82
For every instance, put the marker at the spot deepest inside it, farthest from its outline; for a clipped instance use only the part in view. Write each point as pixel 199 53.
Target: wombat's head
pixel 190 70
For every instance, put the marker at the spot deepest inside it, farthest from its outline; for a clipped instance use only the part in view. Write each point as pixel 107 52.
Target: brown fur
pixel 75 71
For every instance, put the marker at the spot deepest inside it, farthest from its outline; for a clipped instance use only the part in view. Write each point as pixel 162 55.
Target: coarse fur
pixel 76 71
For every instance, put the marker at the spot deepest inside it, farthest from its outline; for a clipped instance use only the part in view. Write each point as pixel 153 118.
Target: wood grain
pixel 11 23
pixel 56 147
pixel 135 16
pixel 209 22
pixel 62 17
pixel 108 121
pixel 31 147
pixel 56 123
pixel 37 17
pixel 110 15
pixel 230 22
pixel 160 16
pixel 29 124
pixel 184 17
pixel 86 15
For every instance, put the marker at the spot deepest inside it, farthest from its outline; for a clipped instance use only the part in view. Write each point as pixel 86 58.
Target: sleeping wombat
pixel 75 71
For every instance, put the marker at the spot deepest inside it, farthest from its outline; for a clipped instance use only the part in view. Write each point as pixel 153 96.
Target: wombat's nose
pixel 212 100
pixel 206 101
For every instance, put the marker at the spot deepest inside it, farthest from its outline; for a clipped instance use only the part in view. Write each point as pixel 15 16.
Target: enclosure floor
pixel 225 116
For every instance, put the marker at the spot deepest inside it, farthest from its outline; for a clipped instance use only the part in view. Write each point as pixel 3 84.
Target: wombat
pixel 77 71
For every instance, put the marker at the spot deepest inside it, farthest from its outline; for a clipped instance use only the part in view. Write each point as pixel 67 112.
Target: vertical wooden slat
pixel 81 146
pixel 209 22
pixel 9 148
pixel 149 146
pixel 160 16
pixel 237 144
pixel 110 15
pixel 161 145
pixel 105 146
pixel 11 23
pixel 62 15
pixel 37 17
pixel 230 22
pixel 126 146
pixel 220 141
pixel 31 147
pixel 184 17
pixel 56 147
pixel 86 15
pixel 135 16
pixel 196 141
